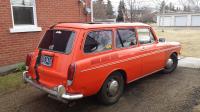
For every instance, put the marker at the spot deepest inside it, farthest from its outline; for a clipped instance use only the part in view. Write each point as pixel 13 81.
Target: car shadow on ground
pixel 175 92
pixel 133 91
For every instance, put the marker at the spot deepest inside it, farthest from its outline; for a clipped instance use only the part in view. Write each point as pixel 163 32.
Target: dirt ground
pixel 176 92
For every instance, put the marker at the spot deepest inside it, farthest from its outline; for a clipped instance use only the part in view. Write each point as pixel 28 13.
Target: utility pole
pixel 92 11
pixel 131 4
pixel 163 17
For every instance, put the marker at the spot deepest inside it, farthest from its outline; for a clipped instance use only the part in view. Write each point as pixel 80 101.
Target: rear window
pixel 58 40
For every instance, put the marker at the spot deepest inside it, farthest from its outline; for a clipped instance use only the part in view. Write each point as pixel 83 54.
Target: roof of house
pixel 180 13
pixel 93 25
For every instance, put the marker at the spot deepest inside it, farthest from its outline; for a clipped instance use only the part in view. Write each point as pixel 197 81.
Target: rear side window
pixel 98 41
pixel 58 40
pixel 145 36
pixel 126 38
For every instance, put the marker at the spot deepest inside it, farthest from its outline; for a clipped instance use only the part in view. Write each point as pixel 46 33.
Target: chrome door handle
pixel 143 49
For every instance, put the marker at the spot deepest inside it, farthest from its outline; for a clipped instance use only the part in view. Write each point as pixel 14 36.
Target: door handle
pixel 143 49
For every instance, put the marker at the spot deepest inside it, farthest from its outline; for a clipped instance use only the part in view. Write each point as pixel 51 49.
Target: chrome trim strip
pixel 128 59
pixel 66 96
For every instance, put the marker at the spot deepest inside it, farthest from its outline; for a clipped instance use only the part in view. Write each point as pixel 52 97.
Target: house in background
pixel 179 19
pixel 24 22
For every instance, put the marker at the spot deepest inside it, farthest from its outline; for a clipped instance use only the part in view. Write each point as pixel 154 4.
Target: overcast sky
pixel 145 2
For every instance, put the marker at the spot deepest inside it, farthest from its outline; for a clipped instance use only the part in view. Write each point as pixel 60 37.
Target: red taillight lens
pixel 28 59
pixel 71 72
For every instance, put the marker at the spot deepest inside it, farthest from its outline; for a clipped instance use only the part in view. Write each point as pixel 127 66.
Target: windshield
pixel 58 40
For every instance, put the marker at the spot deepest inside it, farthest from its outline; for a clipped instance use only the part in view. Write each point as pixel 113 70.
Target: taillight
pixel 71 72
pixel 28 60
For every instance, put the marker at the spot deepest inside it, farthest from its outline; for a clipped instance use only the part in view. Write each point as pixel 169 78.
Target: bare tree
pixel 99 9
pixel 193 4
pixel 159 4
pixel 132 5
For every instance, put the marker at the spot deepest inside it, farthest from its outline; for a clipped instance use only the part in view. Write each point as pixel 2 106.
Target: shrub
pixel 21 68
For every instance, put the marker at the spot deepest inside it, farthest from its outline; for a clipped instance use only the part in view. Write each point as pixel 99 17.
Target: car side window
pixel 98 41
pixel 145 36
pixel 126 38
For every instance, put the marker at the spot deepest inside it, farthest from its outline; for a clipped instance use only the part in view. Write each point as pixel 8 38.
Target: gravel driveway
pixel 176 92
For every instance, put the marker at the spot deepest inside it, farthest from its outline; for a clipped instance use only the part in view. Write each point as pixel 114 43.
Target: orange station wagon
pixel 76 60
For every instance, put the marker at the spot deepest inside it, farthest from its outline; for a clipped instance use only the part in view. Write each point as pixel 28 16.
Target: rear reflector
pixel 28 59
pixel 71 72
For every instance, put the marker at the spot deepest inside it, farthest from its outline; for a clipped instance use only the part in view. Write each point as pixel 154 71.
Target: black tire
pixel 174 58
pixel 104 97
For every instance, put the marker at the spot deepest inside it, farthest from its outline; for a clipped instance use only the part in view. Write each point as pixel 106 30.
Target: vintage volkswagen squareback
pixel 76 60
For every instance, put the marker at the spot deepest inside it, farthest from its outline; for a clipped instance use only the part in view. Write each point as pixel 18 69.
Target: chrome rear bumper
pixel 58 93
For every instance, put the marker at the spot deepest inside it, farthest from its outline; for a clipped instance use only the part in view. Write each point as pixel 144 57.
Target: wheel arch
pixel 174 53
pixel 121 71
pixel 169 54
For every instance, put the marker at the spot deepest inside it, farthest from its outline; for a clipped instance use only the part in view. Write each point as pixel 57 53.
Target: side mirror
pixel 162 40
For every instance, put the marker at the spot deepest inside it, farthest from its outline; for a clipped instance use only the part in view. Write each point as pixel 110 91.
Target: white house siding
pixel 178 20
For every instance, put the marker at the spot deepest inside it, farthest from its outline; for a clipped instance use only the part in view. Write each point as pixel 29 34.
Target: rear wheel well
pixel 123 73
pixel 175 53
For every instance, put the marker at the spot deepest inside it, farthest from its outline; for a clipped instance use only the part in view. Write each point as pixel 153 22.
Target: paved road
pixel 176 92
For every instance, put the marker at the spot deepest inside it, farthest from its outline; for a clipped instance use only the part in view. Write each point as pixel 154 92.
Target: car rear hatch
pixel 53 58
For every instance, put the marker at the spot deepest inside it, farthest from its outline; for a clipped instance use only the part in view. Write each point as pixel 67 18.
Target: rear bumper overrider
pixel 58 93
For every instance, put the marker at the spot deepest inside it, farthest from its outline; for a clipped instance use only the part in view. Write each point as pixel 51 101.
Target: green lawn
pixel 189 39
pixel 11 82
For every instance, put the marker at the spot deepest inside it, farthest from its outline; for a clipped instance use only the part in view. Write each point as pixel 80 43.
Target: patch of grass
pixel 21 68
pixel 11 82
pixel 189 39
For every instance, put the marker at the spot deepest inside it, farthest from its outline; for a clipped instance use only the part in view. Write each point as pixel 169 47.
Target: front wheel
pixel 171 64
pixel 112 89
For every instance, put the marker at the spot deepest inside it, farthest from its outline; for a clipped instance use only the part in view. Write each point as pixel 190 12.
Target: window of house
pixel 98 41
pixel 145 36
pixel 126 38
pixel 24 16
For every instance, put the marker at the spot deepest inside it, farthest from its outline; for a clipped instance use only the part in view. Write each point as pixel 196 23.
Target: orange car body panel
pixel 93 69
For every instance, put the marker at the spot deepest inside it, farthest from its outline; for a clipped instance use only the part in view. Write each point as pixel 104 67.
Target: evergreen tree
pixel 109 10
pixel 99 9
pixel 171 7
pixel 162 7
pixel 177 9
pixel 189 8
pixel 121 11
pixel 167 8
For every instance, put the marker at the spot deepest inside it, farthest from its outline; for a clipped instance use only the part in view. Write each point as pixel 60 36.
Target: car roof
pixel 98 25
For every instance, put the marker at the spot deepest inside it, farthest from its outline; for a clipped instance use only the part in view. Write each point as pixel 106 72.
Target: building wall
pixel 178 20
pixel 15 46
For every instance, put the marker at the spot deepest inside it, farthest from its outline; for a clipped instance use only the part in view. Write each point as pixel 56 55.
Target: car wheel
pixel 112 89
pixel 171 64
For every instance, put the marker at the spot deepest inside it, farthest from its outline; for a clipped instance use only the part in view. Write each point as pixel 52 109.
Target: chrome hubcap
pixel 113 87
pixel 170 63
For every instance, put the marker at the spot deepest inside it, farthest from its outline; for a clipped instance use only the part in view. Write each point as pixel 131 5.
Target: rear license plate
pixel 46 60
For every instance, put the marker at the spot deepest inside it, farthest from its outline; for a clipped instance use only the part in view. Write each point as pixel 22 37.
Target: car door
pixel 127 46
pixel 152 58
